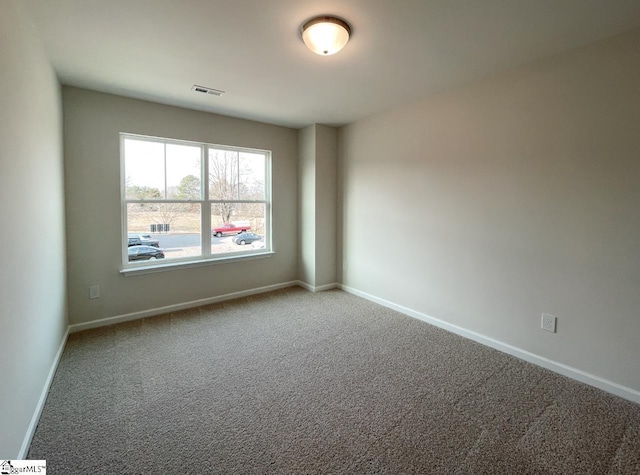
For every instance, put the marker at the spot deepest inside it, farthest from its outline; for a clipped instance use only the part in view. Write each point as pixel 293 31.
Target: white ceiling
pixel 401 50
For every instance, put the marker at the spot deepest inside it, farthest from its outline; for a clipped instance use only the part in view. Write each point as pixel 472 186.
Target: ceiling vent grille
pixel 207 90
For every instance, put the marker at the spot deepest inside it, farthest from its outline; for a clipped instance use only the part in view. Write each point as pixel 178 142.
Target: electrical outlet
pixel 345 265
pixel 94 292
pixel 548 322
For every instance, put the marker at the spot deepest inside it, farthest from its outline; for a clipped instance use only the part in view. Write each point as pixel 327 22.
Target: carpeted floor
pixel 296 382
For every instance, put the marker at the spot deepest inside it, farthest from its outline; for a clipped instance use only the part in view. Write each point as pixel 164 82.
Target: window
pixel 168 207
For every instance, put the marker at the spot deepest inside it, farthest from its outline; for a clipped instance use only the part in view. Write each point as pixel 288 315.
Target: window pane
pixel 251 176
pixel 163 171
pixel 175 226
pixel 229 220
pixel 223 174
pixel 144 169
pixel 183 172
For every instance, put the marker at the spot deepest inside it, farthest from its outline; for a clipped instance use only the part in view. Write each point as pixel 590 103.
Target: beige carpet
pixel 296 382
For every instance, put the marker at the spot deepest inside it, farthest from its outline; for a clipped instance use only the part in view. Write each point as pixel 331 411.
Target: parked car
pixel 231 228
pixel 134 240
pixel 145 253
pixel 246 238
pixel 143 240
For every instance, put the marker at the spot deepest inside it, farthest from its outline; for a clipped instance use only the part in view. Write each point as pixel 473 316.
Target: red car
pixel 231 228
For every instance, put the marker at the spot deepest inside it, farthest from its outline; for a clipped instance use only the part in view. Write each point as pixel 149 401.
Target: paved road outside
pixel 188 245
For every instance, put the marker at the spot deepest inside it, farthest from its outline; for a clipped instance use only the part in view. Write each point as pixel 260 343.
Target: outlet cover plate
pixel 548 323
pixel 94 292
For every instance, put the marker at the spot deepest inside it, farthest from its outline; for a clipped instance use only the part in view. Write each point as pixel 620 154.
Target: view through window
pixel 171 213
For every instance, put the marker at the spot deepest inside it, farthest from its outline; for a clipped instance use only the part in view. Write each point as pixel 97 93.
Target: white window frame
pixel 206 257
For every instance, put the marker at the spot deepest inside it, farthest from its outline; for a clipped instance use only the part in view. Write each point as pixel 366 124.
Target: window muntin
pixel 164 196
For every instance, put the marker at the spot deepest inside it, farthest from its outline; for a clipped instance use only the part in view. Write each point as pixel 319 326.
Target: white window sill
pixel 168 266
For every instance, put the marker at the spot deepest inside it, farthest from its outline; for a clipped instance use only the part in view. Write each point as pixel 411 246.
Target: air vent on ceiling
pixel 207 90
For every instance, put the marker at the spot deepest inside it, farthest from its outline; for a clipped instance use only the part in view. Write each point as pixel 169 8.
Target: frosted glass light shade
pixel 325 35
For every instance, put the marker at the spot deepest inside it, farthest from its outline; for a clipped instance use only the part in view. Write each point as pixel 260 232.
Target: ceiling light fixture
pixel 325 35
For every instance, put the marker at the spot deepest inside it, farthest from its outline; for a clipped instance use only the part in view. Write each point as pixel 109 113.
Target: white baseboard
pixel 77 327
pixel 319 288
pixel 26 443
pixel 560 368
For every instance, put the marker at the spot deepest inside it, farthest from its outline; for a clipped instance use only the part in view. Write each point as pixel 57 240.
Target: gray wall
pixel 518 195
pixel 92 172
pixel 307 205
pixel 326 203
pixel 33 309
pixel 317 203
